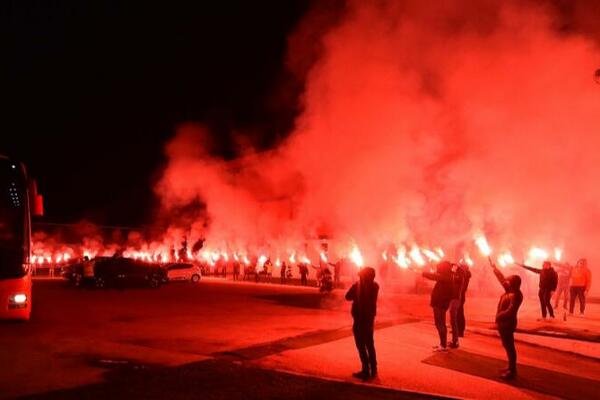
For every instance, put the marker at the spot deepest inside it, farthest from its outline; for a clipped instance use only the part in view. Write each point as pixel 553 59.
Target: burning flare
pixel 356 257
pixel 483 245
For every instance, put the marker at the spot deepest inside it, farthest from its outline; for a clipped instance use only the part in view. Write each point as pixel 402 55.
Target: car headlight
pixel 18 300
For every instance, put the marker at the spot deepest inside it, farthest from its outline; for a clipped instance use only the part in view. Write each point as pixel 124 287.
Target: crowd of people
pixel 557 280
pixel 264 271
pixel 449 294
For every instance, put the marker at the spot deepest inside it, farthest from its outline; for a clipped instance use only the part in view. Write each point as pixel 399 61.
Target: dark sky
pixel 91 91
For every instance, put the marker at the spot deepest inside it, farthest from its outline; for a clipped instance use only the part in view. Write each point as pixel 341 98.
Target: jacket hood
pixel 367 274
pixel 514 281
pixel 444 267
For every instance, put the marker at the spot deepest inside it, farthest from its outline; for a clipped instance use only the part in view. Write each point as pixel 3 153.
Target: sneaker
pixel 362 375
pixel 453 345
pixel 440 349
pixel 374 373
pixel 508 375
pixel 541 319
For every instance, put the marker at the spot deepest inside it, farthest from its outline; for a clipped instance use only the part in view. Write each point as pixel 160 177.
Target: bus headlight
pixel 18 300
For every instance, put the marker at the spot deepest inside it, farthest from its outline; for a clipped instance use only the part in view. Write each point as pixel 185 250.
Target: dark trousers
pixel 545 297
pixel 439 317
pixel 363 337
pixel 303 280
pixel 460 319
pixel 508 342
pixel 455 305
pixel 579 293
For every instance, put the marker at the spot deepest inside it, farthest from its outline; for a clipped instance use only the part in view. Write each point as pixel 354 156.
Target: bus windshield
pixel 13 220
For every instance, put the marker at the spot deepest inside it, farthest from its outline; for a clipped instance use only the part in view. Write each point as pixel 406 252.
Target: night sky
pixel 93 90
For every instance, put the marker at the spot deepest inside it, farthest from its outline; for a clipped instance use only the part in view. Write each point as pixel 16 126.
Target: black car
pixel 123 272
pixel 73 272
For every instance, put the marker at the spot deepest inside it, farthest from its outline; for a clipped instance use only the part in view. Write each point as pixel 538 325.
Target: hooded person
pixel 581 281
pixel 363 295
pixel 548 284
pixel 456 302
pixel 440 299
pixel 506 318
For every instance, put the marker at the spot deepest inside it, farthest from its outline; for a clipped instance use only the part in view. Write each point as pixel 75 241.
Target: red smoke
pixel 422 123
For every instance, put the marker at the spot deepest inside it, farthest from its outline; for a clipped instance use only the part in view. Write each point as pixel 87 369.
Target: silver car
pixel 183 272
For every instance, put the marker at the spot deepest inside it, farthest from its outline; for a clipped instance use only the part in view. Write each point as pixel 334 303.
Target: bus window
pixel 14 223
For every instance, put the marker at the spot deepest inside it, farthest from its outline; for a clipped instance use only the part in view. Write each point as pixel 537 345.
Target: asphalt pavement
pixel 220 340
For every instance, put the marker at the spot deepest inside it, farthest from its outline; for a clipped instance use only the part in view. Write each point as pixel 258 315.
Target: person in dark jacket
pixel 440 299
pixel 337 268
pixel 303 269
pixel 548 283
pixel 506 318
pixel 236 270
pixel 363 296
pixel 282 272
pixel 458 279
pixel 461 310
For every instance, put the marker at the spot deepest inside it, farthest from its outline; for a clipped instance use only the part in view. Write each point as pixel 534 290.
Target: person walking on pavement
pixel 440 300
pixel 506 318
pixel 548 283
pixel 363 295
pixel 581 281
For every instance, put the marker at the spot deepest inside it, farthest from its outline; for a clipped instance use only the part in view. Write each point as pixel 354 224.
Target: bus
pixel 18 201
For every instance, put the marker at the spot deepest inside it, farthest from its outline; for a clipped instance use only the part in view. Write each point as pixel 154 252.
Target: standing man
pixel 458 280
pixel 88 268
pixel 282 272
pixel 548 283
pixel 440 300
pixel 581 281
pixel 506 318
pixel 461 311
pixel 337 269
pixel 564 280
pixel 236 270
pixel 303 274
pixel 363 295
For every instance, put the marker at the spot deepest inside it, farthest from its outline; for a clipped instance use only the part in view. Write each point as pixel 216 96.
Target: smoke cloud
pixel 421 123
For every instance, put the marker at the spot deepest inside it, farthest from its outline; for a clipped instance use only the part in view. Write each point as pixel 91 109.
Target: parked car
pixel 73 272
pixel 121 272
pixel 183 272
